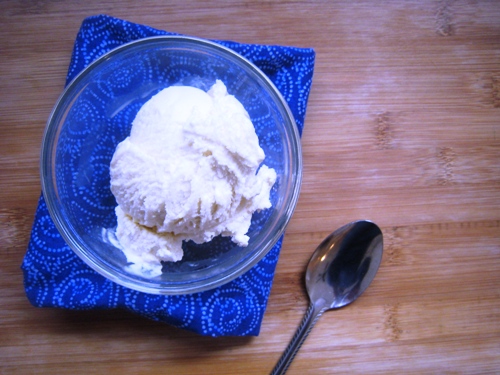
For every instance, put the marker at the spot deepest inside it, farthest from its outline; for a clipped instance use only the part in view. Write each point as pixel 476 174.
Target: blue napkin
pixel 55 277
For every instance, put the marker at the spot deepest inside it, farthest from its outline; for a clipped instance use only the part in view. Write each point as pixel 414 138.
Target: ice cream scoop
pixel 191 169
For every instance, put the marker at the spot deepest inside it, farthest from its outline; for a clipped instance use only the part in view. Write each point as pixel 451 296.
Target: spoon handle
pixel 310 318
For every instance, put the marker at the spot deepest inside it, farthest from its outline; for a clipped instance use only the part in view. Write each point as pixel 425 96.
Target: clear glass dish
pixel 95 113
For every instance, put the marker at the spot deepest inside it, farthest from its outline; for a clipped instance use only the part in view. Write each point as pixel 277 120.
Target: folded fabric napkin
pixel 54 276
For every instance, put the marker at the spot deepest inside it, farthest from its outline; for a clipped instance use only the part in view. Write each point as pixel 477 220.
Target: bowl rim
pixel 51 195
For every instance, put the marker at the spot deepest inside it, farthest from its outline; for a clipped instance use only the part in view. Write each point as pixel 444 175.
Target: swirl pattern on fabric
pixel 54 276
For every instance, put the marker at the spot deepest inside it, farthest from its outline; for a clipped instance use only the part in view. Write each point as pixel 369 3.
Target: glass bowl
pixel 95 113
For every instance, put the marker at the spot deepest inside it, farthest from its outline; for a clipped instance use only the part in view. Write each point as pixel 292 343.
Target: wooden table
pixel 403 128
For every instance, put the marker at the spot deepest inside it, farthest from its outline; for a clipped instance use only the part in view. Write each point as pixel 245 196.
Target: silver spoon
pixel 339 271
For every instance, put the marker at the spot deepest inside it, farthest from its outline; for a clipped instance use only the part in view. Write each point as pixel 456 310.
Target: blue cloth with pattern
pixel 54 276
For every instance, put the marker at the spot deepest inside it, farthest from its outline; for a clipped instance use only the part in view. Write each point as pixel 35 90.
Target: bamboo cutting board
pixel 402 128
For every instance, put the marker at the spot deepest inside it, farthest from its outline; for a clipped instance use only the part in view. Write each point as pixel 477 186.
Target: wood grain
pixel 402 127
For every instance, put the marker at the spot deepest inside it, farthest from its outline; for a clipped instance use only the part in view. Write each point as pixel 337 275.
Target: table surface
pixel 402 127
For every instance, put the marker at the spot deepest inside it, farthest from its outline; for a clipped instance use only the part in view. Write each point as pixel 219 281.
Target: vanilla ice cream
pixel 190 170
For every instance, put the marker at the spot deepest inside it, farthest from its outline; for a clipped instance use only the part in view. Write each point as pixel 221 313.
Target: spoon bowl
pixel 339 271
pixel 344 264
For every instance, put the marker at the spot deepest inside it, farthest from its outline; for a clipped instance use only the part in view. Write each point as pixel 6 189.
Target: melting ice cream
pixel 190 170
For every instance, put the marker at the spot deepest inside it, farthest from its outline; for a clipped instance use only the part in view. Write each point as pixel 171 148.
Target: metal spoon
pixel 339 271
